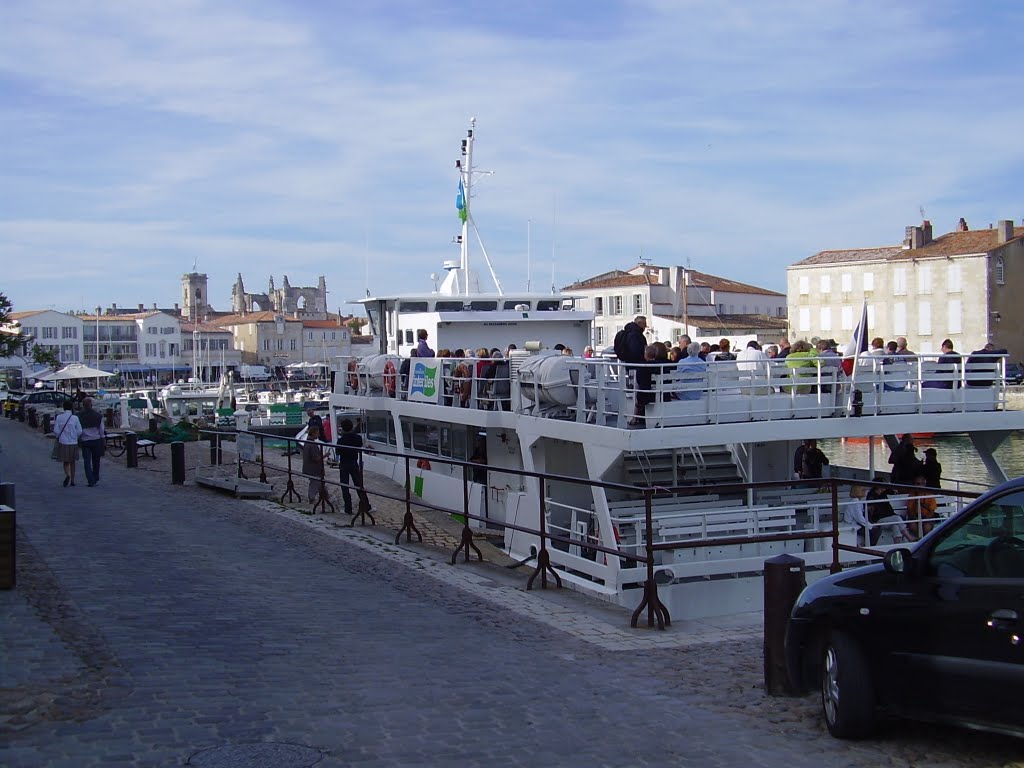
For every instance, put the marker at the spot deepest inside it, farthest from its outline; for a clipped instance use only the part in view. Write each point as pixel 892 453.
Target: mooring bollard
pixel 32 418
pixel 21 412
pixel 177 463
pixel 131 450
pixel 46 424
pixel 783 582
pixel 8 537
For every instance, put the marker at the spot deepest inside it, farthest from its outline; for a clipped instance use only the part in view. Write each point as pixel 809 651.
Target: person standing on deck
pixel 422 348
pixel 931 469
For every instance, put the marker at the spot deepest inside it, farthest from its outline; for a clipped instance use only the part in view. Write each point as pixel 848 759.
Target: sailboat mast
pixel 467 185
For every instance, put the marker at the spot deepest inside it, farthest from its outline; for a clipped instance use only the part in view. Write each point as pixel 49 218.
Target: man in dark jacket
pixel 630 342
pixel 350 473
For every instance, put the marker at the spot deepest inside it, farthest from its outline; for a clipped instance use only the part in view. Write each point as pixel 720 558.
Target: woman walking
pixel 68 429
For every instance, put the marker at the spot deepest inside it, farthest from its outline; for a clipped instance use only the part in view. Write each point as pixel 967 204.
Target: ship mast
pixel 465 165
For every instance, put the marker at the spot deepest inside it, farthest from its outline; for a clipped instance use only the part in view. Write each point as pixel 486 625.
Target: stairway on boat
pixel 683 467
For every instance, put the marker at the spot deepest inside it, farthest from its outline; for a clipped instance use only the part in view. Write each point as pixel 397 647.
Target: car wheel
pixel 847 697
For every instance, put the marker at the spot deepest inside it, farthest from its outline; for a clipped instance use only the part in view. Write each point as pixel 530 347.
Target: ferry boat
pixel 541 411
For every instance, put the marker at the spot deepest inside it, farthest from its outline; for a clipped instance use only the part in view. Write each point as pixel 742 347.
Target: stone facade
pixel 309 301
pixel 959 286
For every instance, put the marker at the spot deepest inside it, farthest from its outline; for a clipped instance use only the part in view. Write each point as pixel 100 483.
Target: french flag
pixel 859 342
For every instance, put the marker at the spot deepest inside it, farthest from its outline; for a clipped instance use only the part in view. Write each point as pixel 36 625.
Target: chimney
pixel 141 307
pixel 177 309
pixel 1004 231
pixel 926 227
pixel 961 226
pixel 914 237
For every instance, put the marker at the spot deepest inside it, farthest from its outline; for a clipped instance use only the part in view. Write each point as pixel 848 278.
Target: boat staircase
pixel 692 467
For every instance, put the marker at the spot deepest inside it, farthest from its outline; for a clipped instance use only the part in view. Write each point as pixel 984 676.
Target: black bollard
pixel 783 582
pixel 8 537
pixel 215 449
pixel 21 412
pixel 46 424
pixel 131 450
pixel 178 463
pixel 32 422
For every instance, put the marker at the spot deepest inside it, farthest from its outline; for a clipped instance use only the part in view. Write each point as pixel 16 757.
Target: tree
pixel 11 337
pixel 47 356
pixel 355 325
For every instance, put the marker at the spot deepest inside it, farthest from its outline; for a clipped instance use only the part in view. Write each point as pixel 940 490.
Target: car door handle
pixel 1002 618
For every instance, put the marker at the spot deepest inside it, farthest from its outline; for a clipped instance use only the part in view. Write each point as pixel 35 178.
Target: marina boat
pixel 701 435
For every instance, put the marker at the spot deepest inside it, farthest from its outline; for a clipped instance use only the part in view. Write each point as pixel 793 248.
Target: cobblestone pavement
pixel 158 625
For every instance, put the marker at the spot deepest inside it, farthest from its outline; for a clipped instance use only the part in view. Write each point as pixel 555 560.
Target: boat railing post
pixel 651 601
pixel 466 543
pixel 543 556
pixel 408 523
pixel 289 490
pixel 836 565
pixel 263 463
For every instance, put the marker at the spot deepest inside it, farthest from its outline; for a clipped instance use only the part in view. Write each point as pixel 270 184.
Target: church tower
pixel 194 298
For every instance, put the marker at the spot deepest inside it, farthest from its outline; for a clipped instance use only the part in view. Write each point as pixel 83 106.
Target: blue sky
pixel 309 138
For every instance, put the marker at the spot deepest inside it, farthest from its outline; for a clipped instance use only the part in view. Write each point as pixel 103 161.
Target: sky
pixel 141 140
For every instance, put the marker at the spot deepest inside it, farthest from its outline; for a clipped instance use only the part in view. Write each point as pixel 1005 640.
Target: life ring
pixel 353 378
pixel 390 378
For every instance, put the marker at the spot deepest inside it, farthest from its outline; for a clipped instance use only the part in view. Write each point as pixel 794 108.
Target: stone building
pixel 307 301
pixel 961 286
pixel 678 300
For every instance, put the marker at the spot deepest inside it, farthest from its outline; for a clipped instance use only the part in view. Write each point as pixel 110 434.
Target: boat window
pixel 412 306
pixel 523 306
pixel 448 306
pixel 454 442
pixel 379 429
pixel 374 314
pixel 425 438
pixel 547 305
pixel 483 306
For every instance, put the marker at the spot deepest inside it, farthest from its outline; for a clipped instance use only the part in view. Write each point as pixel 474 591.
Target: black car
pixel 1014 373
pixel 935 632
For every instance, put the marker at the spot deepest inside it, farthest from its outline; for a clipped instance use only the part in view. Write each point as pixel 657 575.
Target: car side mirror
pixel 897 560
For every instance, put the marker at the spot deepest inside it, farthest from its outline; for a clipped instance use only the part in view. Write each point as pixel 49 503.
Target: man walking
pixel 93 441
pixel 349 444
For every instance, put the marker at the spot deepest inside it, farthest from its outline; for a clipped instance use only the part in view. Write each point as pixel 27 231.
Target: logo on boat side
pixel 424 381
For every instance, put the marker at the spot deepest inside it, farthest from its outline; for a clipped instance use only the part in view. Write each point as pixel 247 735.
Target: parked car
pixel 1014 373
pixel 933 632
pixel 43 397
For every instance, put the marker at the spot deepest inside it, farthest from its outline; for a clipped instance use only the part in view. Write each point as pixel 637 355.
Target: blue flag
pixel 460 201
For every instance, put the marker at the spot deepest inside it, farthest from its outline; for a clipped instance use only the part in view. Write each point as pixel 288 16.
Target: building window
pixel 805 285
pixel 599 335
pixel 826 318
pixel 899 318
pixel 266 345
pixel 599 305
pixel 69 332
pixel 899 281
pixel 955 322
pixel 638 303
pixel 280 345
pixel 953 283
pixel 49 332
pixel 924 279
pixel 1000 272
pixel 151 329
pixel 924 318
pixel 151 350
pixel 846 282
pixel 616 305
pixel 292 344
pixel 846 319
pixel 311 335
pixel 804 323
pixel 825 285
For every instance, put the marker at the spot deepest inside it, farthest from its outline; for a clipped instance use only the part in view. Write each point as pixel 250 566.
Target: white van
pixel 254 372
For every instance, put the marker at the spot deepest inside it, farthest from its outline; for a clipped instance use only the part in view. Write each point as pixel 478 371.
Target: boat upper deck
pixel 914 392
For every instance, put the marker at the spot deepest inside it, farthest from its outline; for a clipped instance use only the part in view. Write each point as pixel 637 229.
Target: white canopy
pixel 305 366
pixel 75 371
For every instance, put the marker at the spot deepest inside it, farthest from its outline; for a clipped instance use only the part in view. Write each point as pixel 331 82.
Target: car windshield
pixel 989 543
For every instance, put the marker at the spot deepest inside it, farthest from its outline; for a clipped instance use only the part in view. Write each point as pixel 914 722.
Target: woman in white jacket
pixel 68 429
